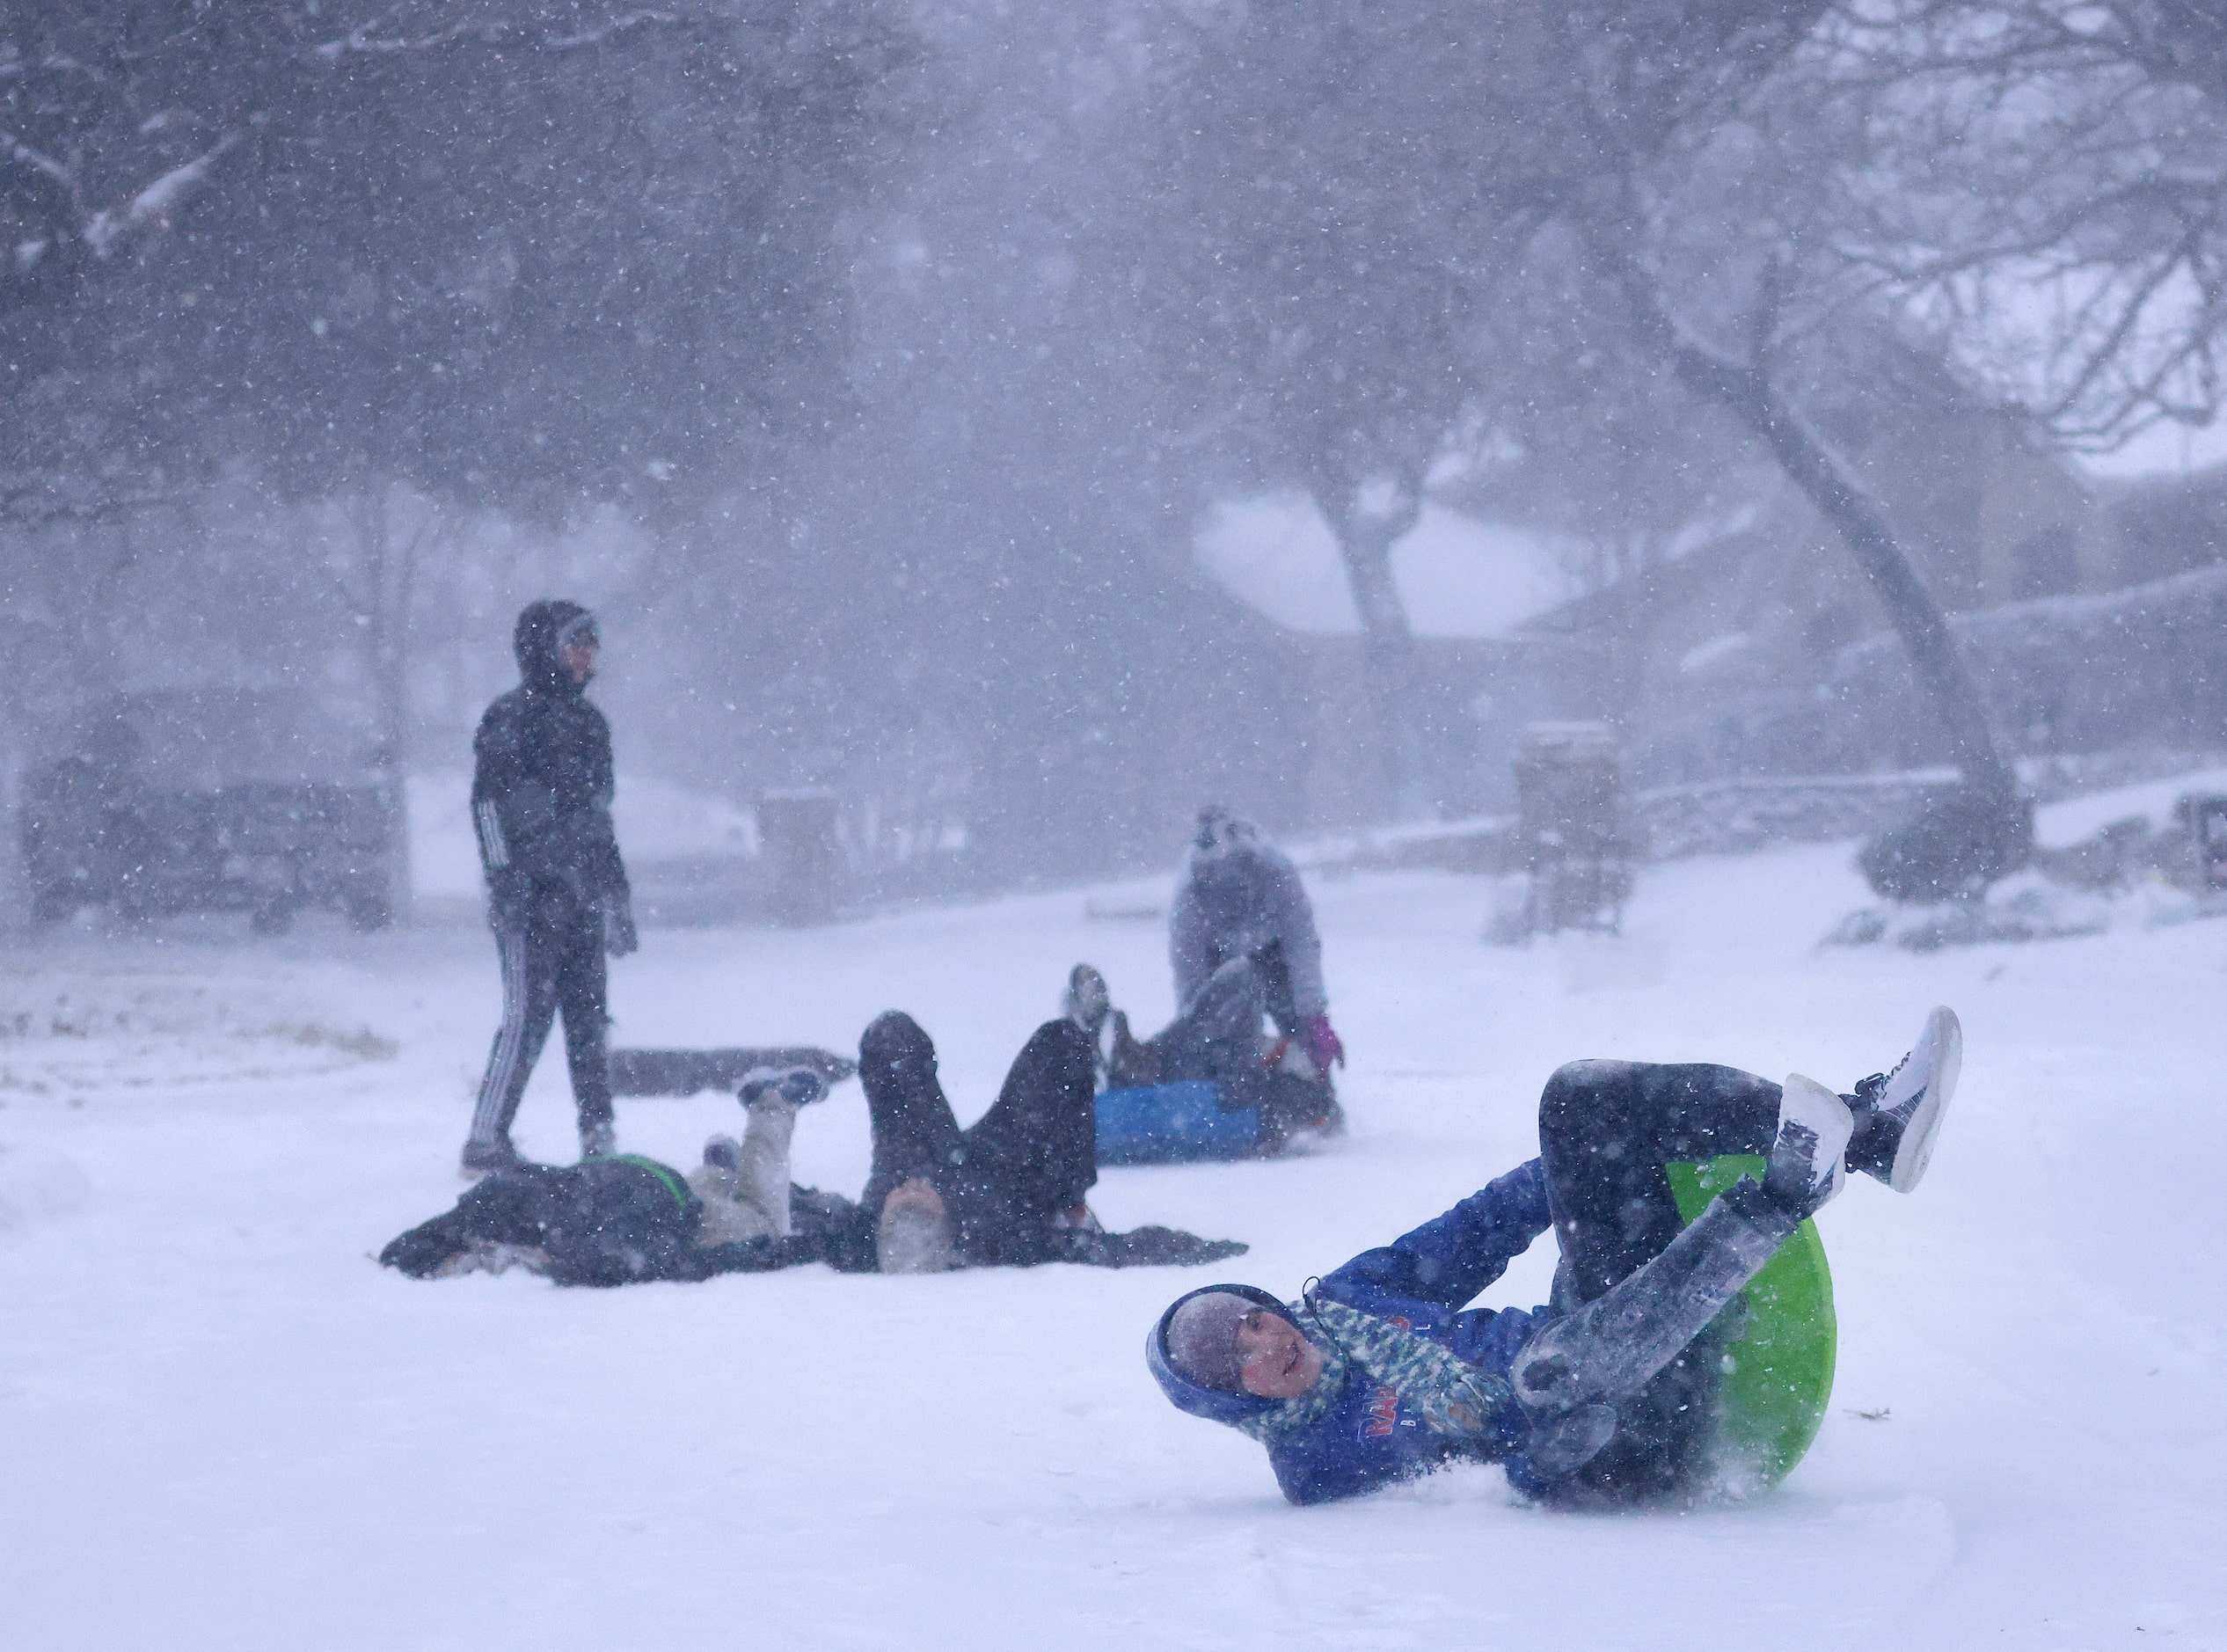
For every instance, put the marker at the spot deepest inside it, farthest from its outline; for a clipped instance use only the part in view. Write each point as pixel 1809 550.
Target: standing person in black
pixel 557 892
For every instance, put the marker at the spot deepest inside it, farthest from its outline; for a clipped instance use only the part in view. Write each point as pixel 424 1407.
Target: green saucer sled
pixel 1778 1369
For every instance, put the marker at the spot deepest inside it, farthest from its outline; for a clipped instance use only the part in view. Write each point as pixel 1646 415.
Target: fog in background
pixel 1030 421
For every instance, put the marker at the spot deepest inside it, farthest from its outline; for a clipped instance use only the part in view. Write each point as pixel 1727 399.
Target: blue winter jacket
pixel 1368 1438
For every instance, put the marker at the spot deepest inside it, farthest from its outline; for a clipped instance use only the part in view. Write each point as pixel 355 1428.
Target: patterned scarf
pixel 1456 1399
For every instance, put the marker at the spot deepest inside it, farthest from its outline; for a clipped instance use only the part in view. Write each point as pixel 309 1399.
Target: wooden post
pixel 1570 793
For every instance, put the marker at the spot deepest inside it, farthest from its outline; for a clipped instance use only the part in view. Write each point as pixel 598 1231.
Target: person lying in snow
pixel 1011 1190
pixel 616 1220
pixel 1379 1373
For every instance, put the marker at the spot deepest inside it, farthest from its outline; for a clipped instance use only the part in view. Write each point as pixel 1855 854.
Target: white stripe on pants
pixel 488 1123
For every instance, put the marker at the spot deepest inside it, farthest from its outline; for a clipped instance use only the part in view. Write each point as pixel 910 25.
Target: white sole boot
pixel 915 1235
pixel 1898 1122
pixel 1808 1158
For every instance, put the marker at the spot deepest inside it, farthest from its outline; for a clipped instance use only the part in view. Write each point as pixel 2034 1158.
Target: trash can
pixel 803 857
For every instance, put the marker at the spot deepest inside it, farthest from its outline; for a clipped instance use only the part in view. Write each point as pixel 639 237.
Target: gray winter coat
pixel 1237 894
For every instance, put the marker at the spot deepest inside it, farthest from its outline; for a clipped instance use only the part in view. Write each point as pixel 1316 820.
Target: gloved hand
pixel 510 902
pixel 1323 1044
pixel 1465 1403
pixel 619 938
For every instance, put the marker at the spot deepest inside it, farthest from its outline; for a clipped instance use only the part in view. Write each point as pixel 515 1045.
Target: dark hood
pixel 534 640
pixel 1215 1405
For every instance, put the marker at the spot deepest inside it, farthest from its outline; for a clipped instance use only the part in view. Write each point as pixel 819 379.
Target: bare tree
pixel 530 254
pixel 2049 195
pixel 2030 192
pixel 574 249
pixel 1340 200
pixel 1312 237
pixel 1710 210
pixel 376 574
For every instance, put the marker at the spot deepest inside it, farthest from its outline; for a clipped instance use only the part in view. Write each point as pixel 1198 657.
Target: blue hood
pixel 1215 1405
pixel 1366 1435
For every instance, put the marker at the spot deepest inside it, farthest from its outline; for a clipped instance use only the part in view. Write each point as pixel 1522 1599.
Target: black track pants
pixel 1606 1129
pixel 552 963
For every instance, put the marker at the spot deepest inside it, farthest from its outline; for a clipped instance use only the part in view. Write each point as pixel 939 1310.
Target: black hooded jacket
pixel 542 780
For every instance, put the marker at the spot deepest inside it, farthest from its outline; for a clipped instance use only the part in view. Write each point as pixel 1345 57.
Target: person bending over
pixel 1242 940
pixel 1380 1372
pixel 1240 896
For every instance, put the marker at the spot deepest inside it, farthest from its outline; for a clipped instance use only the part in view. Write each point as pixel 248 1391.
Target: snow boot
pixel 1087 1000
pixel 1898 1114
pixel 1610 1347
pixel 485 1158
pixel 755 1171
pixel 798 1086
pixel 1131 1062
pixel 915 1233
pixel 1807 1167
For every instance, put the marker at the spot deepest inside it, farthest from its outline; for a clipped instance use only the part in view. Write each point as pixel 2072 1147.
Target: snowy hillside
pixel 224 1426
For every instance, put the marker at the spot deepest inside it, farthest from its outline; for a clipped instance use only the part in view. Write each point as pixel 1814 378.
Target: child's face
pixel 1274 1361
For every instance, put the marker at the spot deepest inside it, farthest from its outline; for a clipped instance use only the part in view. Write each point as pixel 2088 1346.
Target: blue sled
pixel 1172 1123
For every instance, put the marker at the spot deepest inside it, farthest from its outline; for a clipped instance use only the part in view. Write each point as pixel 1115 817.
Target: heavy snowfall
pixel 1699 526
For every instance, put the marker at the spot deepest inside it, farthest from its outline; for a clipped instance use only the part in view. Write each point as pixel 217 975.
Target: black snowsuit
pixel 614 1221
pixel 1003 1179
pixel 541 798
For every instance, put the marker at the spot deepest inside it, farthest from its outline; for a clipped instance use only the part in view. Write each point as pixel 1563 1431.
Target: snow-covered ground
pixel 221 1426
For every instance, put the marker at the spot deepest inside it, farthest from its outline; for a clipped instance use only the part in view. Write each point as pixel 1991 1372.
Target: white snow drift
pixel 225 1426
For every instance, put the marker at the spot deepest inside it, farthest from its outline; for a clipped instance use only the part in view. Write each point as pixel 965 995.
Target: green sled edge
pixel 1778 1376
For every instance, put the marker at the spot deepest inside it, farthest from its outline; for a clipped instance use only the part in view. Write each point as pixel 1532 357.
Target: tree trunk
pixel 1812 465
pixel 389 576
pixel 1391 668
